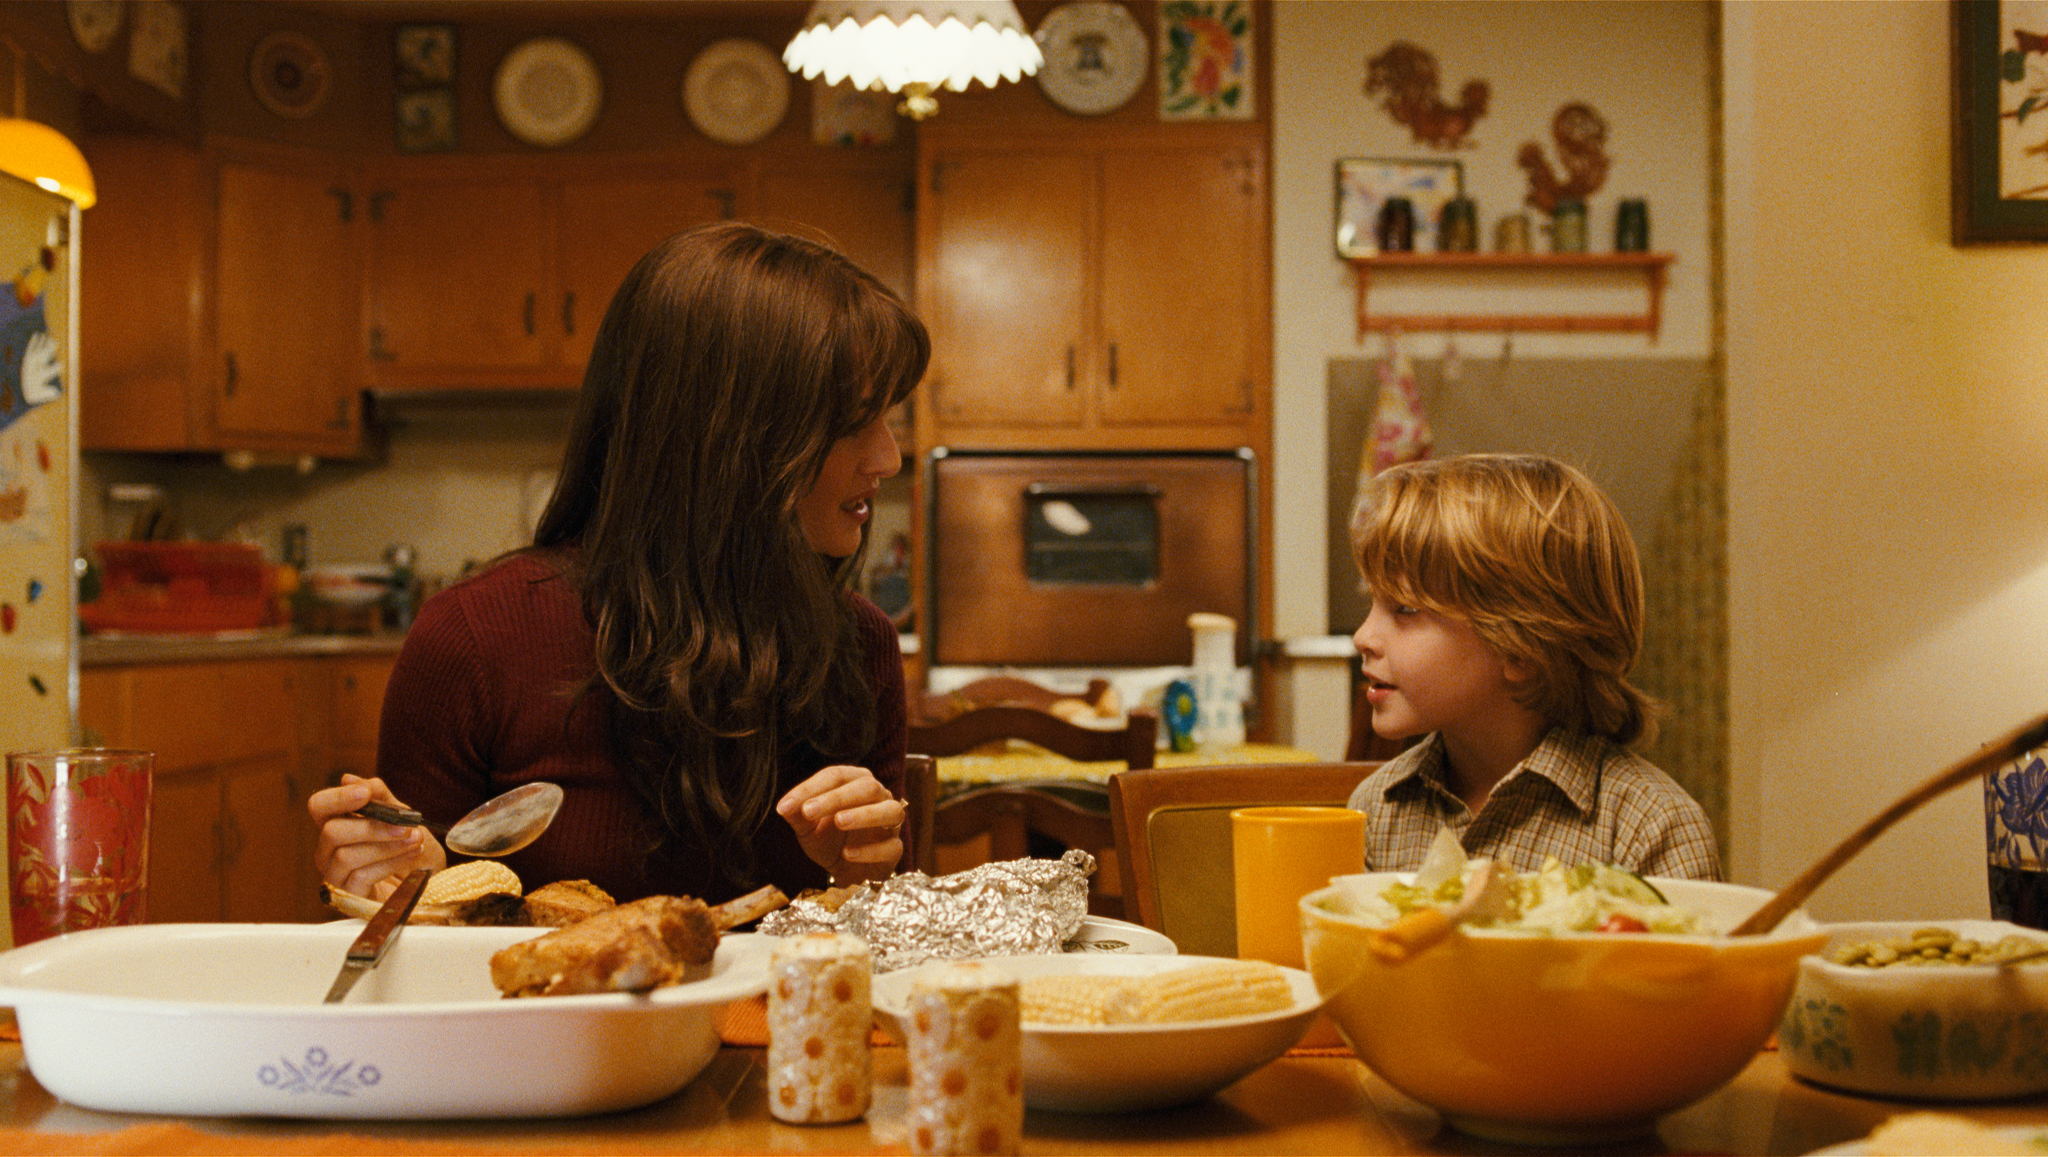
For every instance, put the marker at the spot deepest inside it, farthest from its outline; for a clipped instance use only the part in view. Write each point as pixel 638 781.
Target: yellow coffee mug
pixel 1281 854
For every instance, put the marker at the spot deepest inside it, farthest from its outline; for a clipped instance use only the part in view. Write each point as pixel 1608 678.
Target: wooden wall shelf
pixel 1652 266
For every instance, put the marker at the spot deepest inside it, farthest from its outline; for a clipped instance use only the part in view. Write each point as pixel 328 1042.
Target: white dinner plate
pixel 736 91
pixel 1102 934
pixel 547 91
pixel 2035 1135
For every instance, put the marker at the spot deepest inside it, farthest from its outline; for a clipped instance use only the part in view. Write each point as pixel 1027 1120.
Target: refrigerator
pixel 38 466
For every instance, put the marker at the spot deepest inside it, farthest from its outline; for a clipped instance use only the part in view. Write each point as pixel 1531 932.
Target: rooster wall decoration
pixel 1581 137
pixel 1406 75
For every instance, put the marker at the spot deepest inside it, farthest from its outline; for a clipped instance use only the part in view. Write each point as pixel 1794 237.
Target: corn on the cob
pixel 819 1012
pixel 468 882
pixel 1199 992
pixel 966 1061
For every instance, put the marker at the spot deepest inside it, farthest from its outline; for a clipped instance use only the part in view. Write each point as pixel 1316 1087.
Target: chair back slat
pixel 1171 826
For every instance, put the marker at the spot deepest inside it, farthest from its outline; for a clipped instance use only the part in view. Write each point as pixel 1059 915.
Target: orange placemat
pixel 744 1024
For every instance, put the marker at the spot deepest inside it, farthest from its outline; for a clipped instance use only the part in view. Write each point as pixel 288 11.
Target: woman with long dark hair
pixel 680 648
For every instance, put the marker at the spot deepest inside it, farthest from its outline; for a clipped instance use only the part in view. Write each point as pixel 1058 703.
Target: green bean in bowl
pixel 1949 1011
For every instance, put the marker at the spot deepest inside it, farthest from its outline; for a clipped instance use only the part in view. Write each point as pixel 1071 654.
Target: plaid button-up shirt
pixel 1577 797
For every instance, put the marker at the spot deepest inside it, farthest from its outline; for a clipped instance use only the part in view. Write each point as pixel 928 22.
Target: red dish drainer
pixel 179 587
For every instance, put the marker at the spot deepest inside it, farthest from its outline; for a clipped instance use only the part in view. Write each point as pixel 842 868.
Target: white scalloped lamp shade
pixel 914 46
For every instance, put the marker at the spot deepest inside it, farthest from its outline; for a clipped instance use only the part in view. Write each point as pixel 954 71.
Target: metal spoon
pixel 497 827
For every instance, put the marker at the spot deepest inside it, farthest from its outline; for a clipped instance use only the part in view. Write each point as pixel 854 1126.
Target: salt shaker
pixel 819 1011
pixel 965 1050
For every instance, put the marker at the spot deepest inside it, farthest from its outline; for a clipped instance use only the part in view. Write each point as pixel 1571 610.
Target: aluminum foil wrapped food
pixel 1010 908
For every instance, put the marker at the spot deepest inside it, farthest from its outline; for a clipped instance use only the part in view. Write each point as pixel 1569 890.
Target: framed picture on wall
pixel 1365 184
pixel 1999 122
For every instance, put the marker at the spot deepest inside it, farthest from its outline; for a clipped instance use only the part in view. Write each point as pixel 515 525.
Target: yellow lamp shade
pixel 46 158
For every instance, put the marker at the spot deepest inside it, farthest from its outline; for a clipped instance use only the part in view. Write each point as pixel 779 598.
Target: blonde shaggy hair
pixel 1537 559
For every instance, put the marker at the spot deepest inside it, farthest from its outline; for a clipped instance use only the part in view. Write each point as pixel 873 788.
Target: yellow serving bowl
pixel 1568 1039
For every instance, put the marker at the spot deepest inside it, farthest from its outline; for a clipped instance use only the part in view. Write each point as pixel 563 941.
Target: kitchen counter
pixel 122 649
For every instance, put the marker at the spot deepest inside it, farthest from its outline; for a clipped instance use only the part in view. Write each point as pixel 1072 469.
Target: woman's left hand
pixel 847 822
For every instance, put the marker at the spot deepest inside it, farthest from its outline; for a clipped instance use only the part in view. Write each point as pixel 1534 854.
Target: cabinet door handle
pixel 1071 368
pixel 377 351
pixel 1112 365
pixel 728 203
pixel 569 312
pixel 233 372
pixel 344 202
pixel 378 200
pixel 531 301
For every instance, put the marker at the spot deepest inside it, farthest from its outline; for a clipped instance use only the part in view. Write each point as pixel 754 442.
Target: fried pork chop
pixel 631 947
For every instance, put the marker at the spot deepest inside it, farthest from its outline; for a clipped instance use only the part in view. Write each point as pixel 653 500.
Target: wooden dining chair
pixel 1135 743
pixel 996 691
pixel 1005 816
pixel 920 805
pixel 1172 831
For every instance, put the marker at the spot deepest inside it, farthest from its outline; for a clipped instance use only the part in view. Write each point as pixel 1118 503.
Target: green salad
pixel 1554 898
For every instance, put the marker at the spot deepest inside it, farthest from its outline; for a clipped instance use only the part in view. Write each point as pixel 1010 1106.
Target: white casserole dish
pixel 227 1020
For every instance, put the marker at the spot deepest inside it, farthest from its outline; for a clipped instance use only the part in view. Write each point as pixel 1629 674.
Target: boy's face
pixel 1429 672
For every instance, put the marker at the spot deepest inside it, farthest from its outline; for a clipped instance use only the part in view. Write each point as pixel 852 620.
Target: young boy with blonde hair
pixel 1507 610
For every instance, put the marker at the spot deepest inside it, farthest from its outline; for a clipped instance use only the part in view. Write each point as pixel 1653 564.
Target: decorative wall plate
pixel 94 23
pixel 736 91
pixel 1095 56
pixel 289 74
pixel 547 91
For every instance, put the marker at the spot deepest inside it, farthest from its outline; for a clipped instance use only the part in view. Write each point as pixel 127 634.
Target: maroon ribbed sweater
pixel 477 705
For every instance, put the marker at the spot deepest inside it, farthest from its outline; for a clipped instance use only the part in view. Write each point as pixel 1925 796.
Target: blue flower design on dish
pixel 2016 811
pixel 316 1074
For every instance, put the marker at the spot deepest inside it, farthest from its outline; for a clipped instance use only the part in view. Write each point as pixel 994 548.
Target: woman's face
pixel 841 498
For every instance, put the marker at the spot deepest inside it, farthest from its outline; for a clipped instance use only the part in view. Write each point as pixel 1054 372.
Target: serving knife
pixel 378 934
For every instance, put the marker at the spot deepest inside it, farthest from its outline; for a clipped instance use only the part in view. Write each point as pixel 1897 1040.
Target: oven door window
pixel 1091 537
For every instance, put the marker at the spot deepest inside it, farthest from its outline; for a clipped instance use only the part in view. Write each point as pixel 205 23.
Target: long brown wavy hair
pixel 729 362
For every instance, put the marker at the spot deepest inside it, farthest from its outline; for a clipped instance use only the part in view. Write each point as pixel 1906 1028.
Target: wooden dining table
pixel 1308 1102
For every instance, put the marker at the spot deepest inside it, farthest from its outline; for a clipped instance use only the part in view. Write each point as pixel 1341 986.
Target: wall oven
pixel 1085 559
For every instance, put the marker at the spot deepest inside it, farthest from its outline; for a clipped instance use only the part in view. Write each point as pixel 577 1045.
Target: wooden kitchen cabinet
pixel 355 704
pixel 496 276
pixel 240 744
pixel 217 303
pixel 1106 295
pixel 284 375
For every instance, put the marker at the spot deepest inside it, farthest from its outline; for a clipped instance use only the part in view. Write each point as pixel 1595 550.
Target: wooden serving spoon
pixel 1422 928
pixel 2017 743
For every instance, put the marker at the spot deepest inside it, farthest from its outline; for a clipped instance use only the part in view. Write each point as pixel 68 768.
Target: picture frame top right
pixel 1999 122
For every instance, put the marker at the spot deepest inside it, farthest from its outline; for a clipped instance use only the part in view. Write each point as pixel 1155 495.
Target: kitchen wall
pixel 1887 457
pixel 1619 405
pixel 459 482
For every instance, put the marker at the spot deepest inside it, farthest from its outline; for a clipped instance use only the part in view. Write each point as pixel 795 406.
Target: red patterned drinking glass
pixel 77 839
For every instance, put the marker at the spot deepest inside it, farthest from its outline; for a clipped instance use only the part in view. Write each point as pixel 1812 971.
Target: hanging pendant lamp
pixel 39 154
pixel 914 47
pixel 44 157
